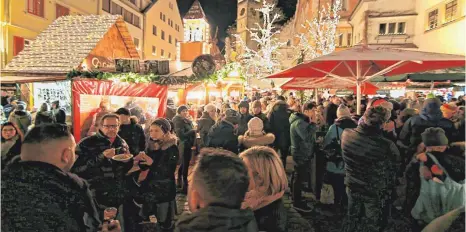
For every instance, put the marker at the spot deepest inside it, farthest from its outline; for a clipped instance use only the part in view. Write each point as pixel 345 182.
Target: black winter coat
pixel 371 161
pixel 184 130
pixel 330 114
pixel 60 116
pixel 303 134
pixel 106 177
pixel 265 121
pixel 272 217
pixel 243 123
pixel 134 136
pixel 38 196
pixel 222 135
pixel 14 151
pixel 43 117
pixel 279 118
pixel 203 125
pixel 159 185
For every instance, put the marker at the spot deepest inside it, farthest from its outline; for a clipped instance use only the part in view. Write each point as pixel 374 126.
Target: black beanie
pixel 434 136
pixel 181 108
pixel 123 111
pixel 164 124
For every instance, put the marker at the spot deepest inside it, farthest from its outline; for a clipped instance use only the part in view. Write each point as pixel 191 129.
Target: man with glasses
pixel 94 163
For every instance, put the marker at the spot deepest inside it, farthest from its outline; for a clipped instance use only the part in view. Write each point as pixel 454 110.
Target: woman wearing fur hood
pixel 255 135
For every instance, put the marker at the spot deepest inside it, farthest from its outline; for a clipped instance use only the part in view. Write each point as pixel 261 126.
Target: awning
pixel 422 77
pixel 29 79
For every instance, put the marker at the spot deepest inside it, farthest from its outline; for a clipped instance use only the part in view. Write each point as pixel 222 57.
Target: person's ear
pixel 66 156
pixel 194 200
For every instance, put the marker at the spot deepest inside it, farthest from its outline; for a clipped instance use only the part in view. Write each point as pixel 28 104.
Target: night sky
pixel 222 13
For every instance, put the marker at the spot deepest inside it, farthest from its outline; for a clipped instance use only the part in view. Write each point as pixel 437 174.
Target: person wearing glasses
pixel 94 163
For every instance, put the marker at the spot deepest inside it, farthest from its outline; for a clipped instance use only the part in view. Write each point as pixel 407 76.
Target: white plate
pixel 122 160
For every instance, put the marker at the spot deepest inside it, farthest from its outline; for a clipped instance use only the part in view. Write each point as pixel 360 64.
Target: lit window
pixel 391 28
pixel 401 28
pixel 382 29
pixel 433 18
pixel 154 50
pixel 450 10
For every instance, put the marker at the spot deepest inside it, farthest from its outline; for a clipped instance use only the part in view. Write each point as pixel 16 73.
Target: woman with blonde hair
pixel 267 185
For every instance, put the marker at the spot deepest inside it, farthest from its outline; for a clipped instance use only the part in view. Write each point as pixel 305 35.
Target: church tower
pixel 247 17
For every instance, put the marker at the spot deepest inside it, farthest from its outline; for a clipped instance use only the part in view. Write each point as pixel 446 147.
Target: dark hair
pixel 57 103
pixel 281 98
pixel 108 116
pixel 8 124
pixel 222 177
pixel 376 116
pixel 308 106
pixel 47 132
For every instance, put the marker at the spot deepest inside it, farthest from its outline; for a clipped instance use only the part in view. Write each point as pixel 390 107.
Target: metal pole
pixel 358 88
pixel 316 96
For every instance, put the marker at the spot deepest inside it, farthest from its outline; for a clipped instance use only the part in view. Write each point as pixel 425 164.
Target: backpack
pixel 333 150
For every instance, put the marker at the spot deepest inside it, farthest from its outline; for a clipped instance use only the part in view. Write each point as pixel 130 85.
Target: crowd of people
pixel 399 154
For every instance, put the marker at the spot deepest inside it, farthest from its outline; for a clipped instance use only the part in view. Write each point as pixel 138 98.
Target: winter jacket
pixel 265 121
pixel 38 196
pixel 222 135
pixel 370 161
pixel 215 218
pixel 159 185
pixel 341 124
pixel 203 125
pixel 453 164
pixel 43 117
pixel 413 128
pixel 243 123
pixel 279 118
pixel 134 136
pixel 105 176
pixel 330 113
pixel 14 150
pixel 272 217
pixel 22 119
pixel 8 109
pixel 246 141
pixel 184 130
pixel 302 134
pixel 170 113
pixel 60 116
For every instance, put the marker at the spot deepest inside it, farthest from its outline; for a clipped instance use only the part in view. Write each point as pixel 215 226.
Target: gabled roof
pixel 65 43
pixel 195 12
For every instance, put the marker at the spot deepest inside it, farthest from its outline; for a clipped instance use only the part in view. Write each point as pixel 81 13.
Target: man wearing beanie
pixel 186 135
pixel 206 121
pixel 257 112
pixel 430 116
pixel 244 117
pixel 131 132
pixel 21 117
pixel 222 135
pixel 436 144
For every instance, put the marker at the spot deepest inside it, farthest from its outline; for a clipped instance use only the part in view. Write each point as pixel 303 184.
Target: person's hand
pixel 147 160
pixel 112 226
pixel 109 153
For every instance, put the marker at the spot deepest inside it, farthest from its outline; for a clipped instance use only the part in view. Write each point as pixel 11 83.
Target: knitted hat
pixel 452 107
pixel 181 108
pixel 255 126
pixel 123 111
pixel 232 116
pixel 256 104
pixel 343 111
pixel 163 123
pixel 210 108
pixel 434 136
pixel 21 106
pixel 431 105
pixel 244 104
pixel 170 102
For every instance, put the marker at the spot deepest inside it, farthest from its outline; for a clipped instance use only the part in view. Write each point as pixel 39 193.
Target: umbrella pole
pixel 358 88
pixel 316 96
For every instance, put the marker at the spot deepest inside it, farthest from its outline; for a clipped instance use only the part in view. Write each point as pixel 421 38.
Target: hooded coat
pixel 22 119
pixel 342 124
pixel 215 218
pixel 204 124
pixel 43 117
pixel 184 130
pixel 302 133
pixel 107 178
pixel 134 136
pixel 246 141
pixel 279 117
pixel 222 135
pixel 38 196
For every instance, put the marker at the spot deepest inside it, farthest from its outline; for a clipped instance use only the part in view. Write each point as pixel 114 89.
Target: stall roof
pixel 64 45
pixel 422 77
pixel 29 79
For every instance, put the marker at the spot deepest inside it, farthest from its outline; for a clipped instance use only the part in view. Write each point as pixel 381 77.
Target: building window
pixel 135 20
pixel 163 35
pixel 136 43
pixel 348 40
pixel 18 45
pixel 163 17
pixel 133 1
pixel 128 16
pixel 61 10
pixel 169 39
pixel 176 41
pixel 106 5
pixel 401 28
pixel 450 10
pixel 154 51
pixel 162 52
pixel 116 9
pixel 289 55
pixel 169 55
pixel 154 30
pixel 382 29
pixel 433 18
pixel 391 28
pixel 340 40
pixel 344 5
pixel 36 7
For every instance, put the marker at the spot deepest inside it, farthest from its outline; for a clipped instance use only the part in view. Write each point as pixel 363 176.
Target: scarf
pixel 8 144
pixel 257 198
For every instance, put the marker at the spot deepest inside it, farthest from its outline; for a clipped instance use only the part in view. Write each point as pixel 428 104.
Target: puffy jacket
pixel 265 121
pixel 222 135
pixel 159 185
pixel 38 196
pixel 22 119
pixel 184 130
pixel 43 117
pixel 246 141
pixel 302 134
pixel 217 219
pixel 106 177
pixel 243 123
pixel 279 117
pixel 371 161
pixel 134 136
pixel 203 125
